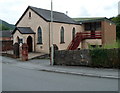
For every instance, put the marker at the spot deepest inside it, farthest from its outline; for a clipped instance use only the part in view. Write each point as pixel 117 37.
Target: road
pixel 20 79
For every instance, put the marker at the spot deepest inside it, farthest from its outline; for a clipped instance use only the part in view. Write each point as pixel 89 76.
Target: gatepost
pixel 24 52
pixel 16 50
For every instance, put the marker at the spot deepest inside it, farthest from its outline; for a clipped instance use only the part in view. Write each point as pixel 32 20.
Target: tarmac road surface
pixel 20 79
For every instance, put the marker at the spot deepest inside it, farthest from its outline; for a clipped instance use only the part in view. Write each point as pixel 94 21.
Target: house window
pixel 73 33
pixel 87 26
pixel 93 26
pixel 20 40
pixel 39 36
pixel 29 14
pixel 98 26
pixel 62 35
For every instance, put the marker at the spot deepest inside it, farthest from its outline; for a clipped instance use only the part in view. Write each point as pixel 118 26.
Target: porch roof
pixel 24 30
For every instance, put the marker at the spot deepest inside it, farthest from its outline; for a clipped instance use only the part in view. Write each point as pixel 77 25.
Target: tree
pixel 117 21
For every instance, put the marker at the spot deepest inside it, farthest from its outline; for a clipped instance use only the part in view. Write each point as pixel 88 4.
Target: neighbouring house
pixel 6 40
pixel 34 28
pixel 94 26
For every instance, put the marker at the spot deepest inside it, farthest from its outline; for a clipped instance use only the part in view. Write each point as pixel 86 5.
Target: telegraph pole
pixel 51 30
pixel 119 8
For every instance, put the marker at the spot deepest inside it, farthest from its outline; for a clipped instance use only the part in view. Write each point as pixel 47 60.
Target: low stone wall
pixel 72 58
pixel 93 58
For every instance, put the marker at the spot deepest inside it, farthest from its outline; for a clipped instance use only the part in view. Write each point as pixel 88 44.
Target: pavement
pixel 44 65
pixel 31 55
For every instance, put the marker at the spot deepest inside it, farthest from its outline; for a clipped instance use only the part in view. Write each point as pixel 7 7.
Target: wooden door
pixel 29 42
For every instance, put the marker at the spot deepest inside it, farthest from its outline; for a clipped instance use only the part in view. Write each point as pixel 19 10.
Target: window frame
pixel 62 35
pixel 39 36
pixel 73 33
pixel 92 26
pixel 30 15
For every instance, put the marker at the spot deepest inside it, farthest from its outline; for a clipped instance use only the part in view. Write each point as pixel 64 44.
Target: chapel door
pixel 29 43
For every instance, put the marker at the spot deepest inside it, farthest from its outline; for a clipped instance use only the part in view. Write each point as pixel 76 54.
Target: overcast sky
pixel 11 10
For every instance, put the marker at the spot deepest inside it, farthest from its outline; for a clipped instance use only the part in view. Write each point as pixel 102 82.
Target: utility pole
pixel 51 31
pixel 119 8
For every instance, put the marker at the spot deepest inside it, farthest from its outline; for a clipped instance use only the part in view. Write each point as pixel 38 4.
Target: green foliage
pixel 104 58
pixel 97 47
pixel 6 26
pixel 107 46
pixel 98 57
pixel 3 27
pixel 111 46
pixel 117 21
pixel 118 31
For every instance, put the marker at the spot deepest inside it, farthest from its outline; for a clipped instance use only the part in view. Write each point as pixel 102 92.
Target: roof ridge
pixel 46 9
pixel 58 17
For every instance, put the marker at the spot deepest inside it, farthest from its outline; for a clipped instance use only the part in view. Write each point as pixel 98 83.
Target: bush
pixel 98 57
pixel 105 58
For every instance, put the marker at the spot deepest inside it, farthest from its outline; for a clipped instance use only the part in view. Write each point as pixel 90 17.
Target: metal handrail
pixel 81 36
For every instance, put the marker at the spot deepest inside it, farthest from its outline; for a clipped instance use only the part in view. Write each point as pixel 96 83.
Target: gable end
pixel 26 12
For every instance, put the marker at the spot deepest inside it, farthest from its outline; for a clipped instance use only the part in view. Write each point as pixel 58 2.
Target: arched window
pixel 73 33
pixel 62 35
pixel 39 36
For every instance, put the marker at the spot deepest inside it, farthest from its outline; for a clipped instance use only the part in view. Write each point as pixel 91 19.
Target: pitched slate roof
pixel 46 15
pixel 6 33
pixel 24 30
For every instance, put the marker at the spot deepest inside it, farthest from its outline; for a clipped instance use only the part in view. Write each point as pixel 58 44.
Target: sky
pixel 12 10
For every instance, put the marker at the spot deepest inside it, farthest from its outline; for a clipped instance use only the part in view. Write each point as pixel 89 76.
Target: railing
pixel 82 36
pixel 89 35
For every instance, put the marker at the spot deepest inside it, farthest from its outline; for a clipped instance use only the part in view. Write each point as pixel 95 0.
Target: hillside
pixel 6 26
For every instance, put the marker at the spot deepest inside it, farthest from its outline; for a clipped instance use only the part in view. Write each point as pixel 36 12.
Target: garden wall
pixel 6 45
pixel 93 58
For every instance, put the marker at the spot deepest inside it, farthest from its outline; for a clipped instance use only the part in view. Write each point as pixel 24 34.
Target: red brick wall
pixel 6 45
pixel 108 33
